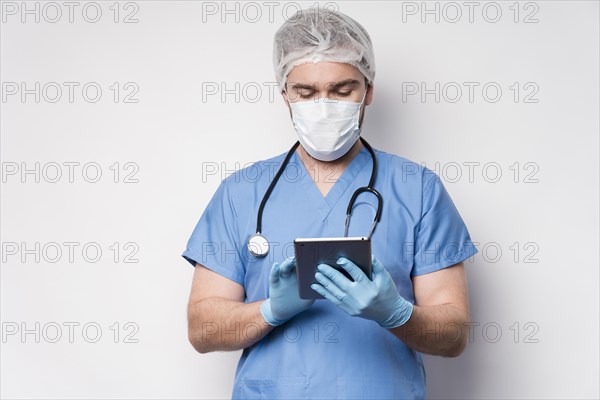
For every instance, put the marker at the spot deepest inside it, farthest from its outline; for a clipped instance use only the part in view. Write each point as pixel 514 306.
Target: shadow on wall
pixel 388 127
pixel 381 125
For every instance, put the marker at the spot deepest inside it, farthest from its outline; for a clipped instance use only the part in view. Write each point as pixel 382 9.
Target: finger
pixel 286 266
pixel 274 275
pixel 331 286
pixel 323 292
pixel 379 272
pixel 335 276
pixel 377 265
pixel 355 272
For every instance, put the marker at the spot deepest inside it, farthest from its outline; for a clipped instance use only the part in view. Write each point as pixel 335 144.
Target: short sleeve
pixel 214 243
pixel 442 238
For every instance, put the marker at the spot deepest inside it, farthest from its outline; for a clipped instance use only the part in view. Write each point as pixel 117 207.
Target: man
pixel 363 340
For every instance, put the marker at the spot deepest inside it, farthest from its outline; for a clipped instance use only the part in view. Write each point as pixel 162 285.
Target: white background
pixel 534 305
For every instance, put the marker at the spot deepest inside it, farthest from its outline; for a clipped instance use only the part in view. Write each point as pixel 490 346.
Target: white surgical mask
pixel 327 128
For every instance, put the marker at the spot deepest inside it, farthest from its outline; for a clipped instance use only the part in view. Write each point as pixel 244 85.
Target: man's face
pixel 332 80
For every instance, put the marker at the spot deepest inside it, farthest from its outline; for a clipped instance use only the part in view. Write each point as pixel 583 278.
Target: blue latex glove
pixel 376 299
pixel 284 302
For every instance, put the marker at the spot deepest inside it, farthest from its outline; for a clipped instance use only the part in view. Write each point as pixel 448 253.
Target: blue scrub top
pixel 323 352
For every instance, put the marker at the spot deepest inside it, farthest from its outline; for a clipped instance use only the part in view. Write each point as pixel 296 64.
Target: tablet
pixel 311 252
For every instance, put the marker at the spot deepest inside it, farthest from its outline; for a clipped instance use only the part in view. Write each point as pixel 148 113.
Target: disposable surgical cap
pixel 318 34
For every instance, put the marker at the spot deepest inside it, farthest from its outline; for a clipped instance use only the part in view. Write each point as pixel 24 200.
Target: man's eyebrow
pixel 345 82
pixel 304 86
pixel 330 86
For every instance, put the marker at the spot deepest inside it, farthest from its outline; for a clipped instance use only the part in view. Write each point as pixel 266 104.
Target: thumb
pixel 274 275
pixel 286 266
pixel 377 266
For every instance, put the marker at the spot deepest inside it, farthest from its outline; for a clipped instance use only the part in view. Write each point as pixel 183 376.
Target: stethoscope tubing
pixel 262 249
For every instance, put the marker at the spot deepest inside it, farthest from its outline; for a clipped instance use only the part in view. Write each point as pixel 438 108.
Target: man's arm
pixel 218 318
pixel 439 321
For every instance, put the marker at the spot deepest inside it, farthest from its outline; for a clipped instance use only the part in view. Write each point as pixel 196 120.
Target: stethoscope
pixel 258 244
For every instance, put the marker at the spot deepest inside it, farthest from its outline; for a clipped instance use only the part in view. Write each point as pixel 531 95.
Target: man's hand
pixel 284 301
pixel 376 299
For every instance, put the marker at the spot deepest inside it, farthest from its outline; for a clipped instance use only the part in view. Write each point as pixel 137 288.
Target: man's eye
pixel 344 94
pixel 306 95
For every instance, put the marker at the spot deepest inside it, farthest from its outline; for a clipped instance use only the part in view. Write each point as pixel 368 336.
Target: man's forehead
pixel 324 73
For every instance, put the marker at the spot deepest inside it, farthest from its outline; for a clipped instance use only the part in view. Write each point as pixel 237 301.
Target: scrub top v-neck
pixel 323 352
pixel 324 204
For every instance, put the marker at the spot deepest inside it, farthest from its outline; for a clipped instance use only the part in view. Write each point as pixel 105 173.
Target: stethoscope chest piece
pixel 258 245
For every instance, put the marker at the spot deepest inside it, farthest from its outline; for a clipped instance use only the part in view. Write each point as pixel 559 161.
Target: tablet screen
pixel 310 252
